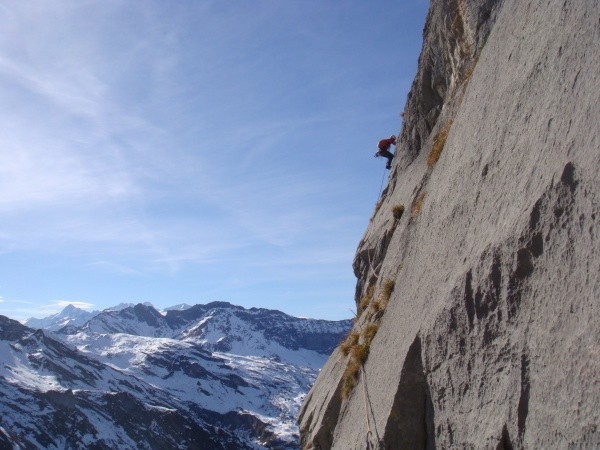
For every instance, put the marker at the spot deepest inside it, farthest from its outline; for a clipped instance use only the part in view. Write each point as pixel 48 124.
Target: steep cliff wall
pixel 478 308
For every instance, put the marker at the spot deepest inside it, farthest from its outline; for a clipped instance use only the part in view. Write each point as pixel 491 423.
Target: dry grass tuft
pixel 397 211
pixel 350 341
pixel 358 345
pixel 378 306
pixel 350 378
pixel 364 303
pixel 358 356
pixel 388 288
pixel 367 298
pixel 417 204
pixel 369 334
pixel 384 297
pixel 438 144
pixel 360 353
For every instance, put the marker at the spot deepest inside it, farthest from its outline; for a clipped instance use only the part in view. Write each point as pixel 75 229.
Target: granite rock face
pixel 491 334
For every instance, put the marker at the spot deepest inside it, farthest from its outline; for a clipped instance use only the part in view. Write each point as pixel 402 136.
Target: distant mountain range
pixel 75 317
pixel 71 315
pixel 214 376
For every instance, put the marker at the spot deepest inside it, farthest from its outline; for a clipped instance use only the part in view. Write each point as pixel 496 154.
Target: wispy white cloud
pixel 148 139
pixel 71 166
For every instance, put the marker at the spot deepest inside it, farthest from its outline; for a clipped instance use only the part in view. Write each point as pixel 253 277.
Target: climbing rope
pixel 369 433
pixel 369 411
pixel 374 269
pixel 382 180
pixel 378 199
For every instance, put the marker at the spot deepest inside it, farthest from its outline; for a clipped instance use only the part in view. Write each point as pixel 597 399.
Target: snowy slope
pixel 69 316
pixel 234 376
pixel 53 396
pixel 178 307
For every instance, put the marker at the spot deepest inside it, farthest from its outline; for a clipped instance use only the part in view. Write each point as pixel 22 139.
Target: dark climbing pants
pixel 388 155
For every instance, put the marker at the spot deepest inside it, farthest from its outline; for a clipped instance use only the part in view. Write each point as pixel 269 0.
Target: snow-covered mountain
pixel 69 316
pixel 209 376
pixel 179 307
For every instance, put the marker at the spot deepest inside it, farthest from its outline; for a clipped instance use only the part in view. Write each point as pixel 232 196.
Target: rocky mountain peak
pixel 11 330
pixel 69 316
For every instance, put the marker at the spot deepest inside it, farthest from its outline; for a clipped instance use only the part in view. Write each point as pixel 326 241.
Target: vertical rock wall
pixel 478 321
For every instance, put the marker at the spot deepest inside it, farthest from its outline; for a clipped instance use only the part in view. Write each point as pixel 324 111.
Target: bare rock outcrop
pixel 478 303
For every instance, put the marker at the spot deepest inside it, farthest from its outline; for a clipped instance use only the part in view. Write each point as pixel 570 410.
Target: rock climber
pixel 384 149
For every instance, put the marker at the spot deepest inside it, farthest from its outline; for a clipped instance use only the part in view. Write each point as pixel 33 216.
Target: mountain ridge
pixel 245 394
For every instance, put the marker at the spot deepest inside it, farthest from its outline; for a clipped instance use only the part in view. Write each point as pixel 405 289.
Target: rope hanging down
pixel 382 180
pixel 369 411
pixel 369 256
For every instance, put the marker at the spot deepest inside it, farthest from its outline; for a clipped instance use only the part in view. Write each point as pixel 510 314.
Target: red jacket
pixel 385 144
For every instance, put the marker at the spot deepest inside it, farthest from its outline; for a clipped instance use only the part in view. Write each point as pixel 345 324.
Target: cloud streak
pixel 188 141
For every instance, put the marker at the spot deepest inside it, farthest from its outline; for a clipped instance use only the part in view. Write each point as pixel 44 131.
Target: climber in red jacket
pixel 384 149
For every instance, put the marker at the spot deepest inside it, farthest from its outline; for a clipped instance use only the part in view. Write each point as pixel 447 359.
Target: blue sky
pixel 191 151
